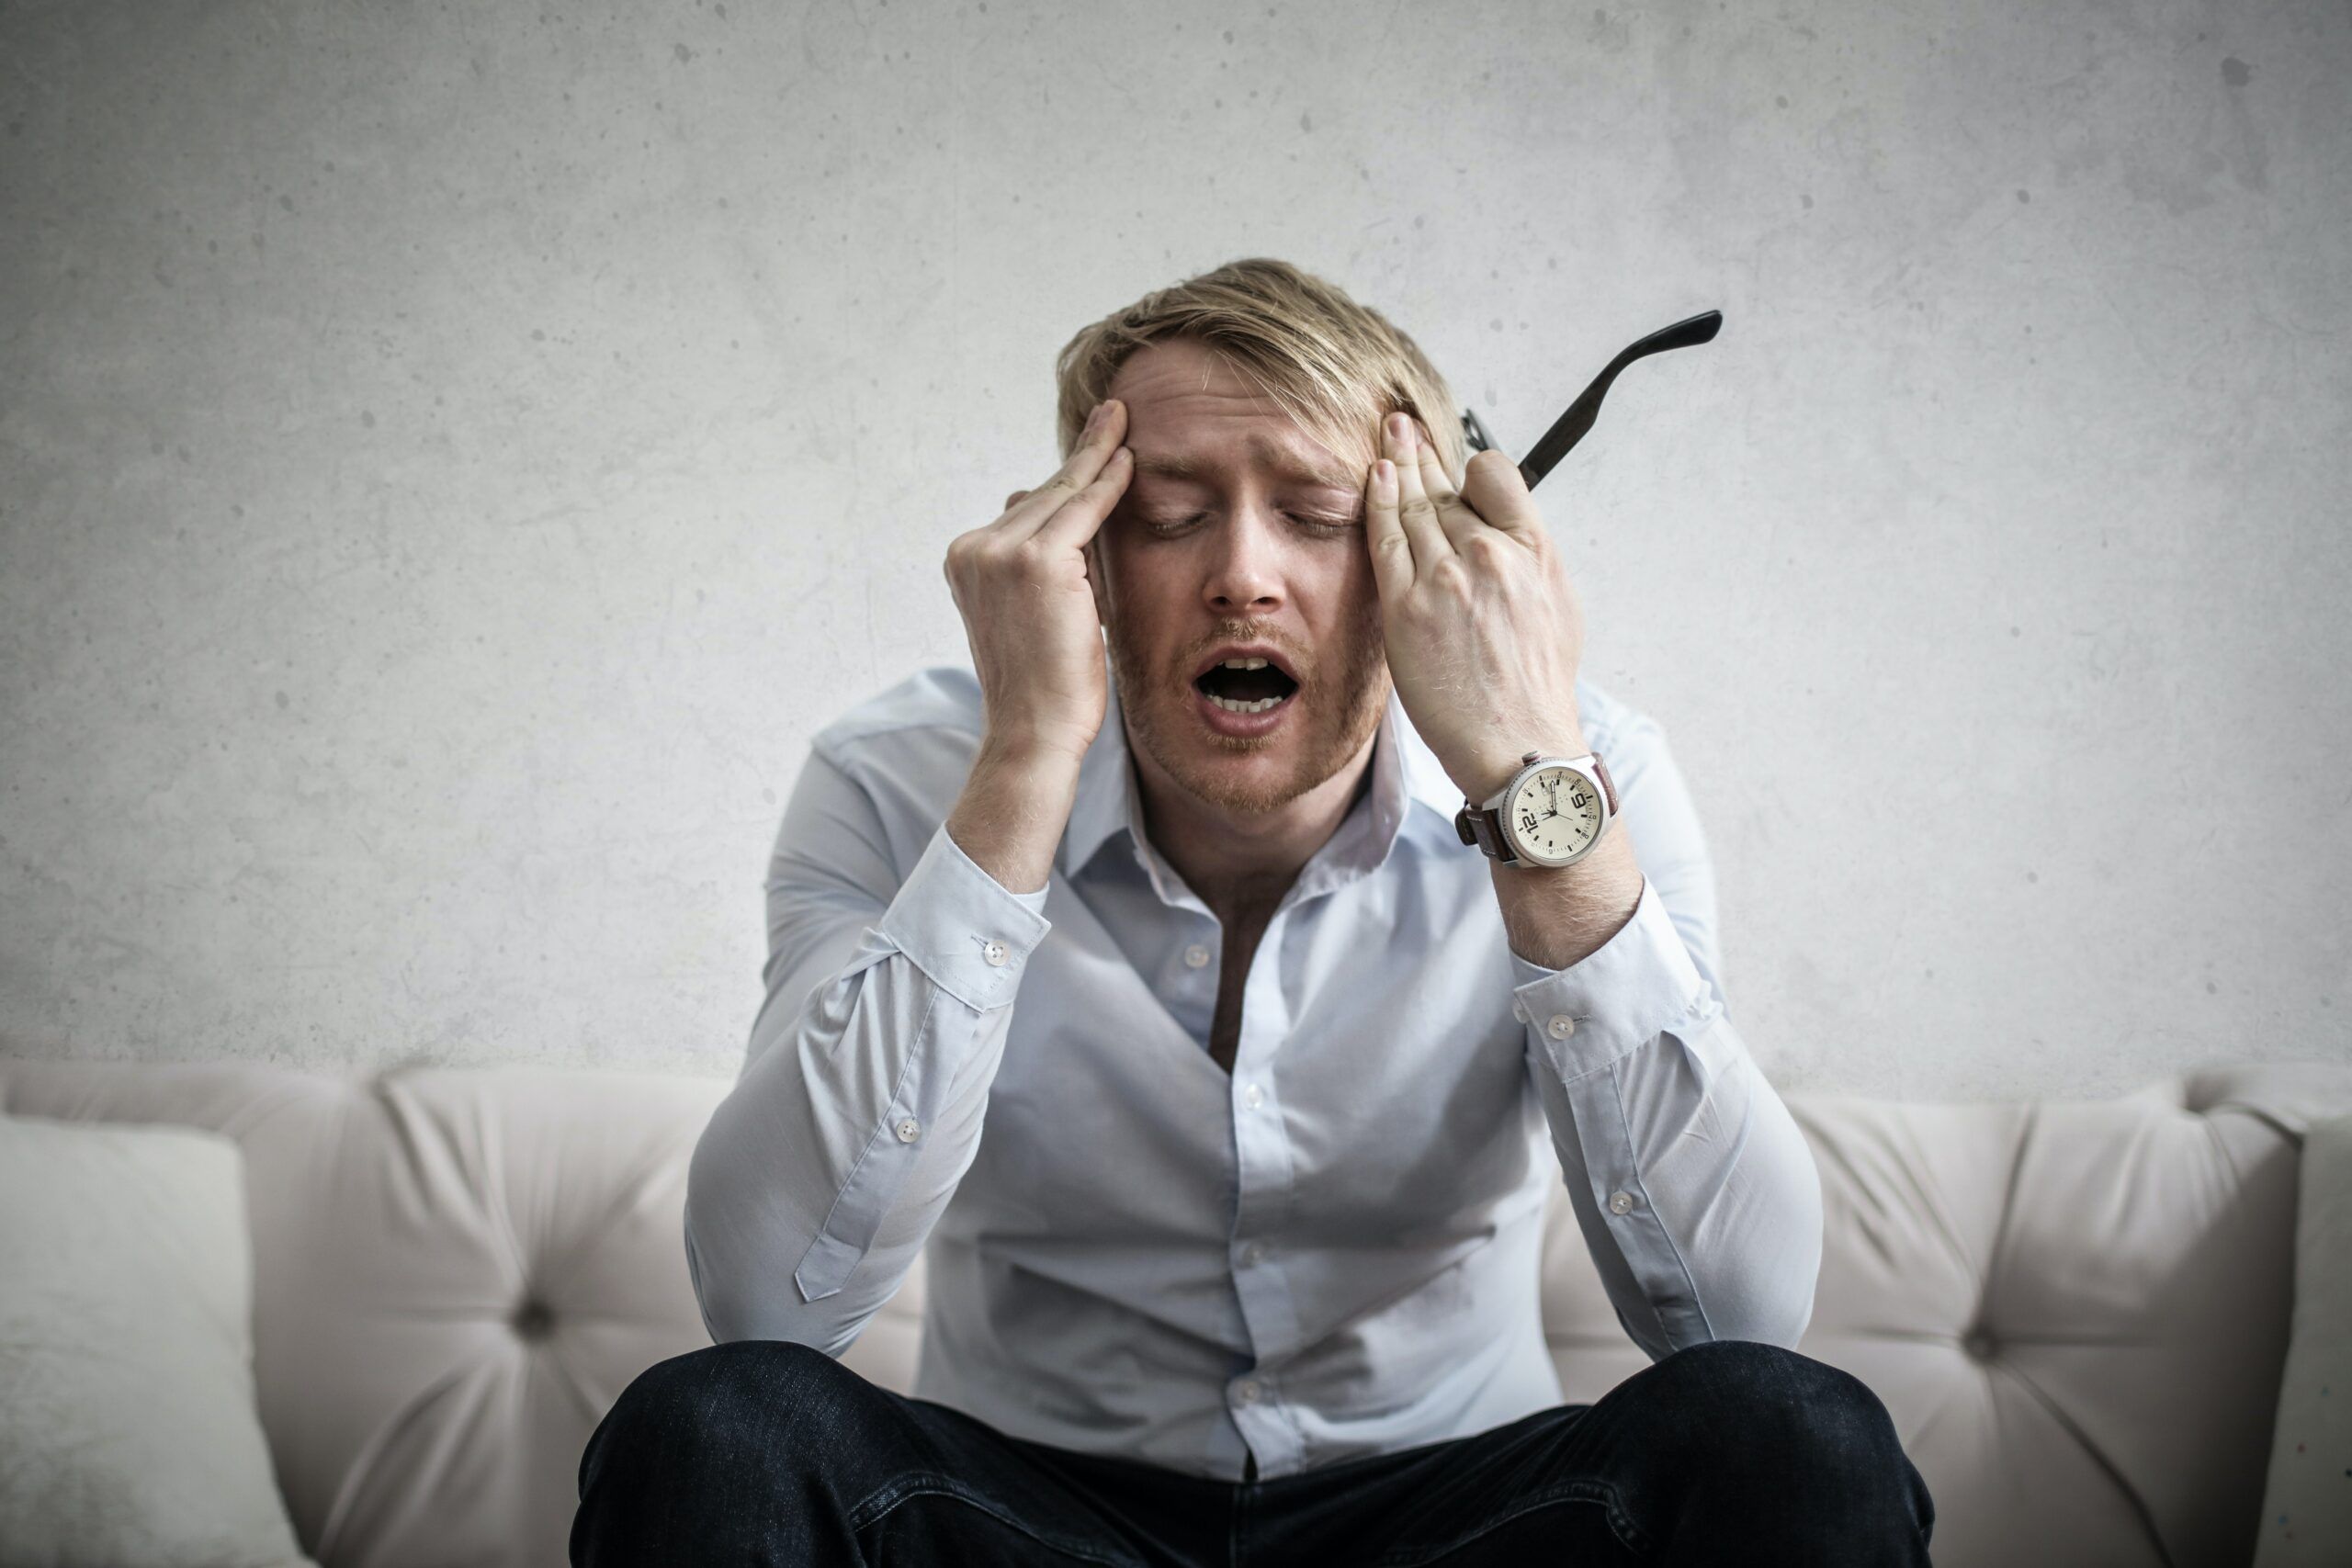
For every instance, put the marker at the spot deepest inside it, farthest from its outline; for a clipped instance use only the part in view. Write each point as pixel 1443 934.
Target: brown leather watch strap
pixel 1488 825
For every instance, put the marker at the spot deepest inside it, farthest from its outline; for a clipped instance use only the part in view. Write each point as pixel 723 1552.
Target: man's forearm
pixel 1558 916
pixel 1013 811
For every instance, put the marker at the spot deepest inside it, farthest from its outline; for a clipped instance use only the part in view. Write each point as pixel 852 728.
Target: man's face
pixel 1236 529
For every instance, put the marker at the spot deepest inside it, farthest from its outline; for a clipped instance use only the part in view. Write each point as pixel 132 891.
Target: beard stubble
pixel 1341 694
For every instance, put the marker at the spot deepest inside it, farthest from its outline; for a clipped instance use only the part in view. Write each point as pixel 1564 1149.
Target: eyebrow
pixel 1283 462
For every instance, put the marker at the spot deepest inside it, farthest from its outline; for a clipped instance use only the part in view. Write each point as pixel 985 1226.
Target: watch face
pixel 1554 814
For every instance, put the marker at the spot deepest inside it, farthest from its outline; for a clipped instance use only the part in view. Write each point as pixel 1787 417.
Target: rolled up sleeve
pixel 1694 1188
pixel 860 1107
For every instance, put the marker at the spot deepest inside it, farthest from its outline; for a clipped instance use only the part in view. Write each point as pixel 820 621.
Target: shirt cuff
pixel 967 931
pixel 1636 986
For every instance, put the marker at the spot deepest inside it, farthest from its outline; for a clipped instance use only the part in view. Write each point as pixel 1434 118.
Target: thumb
pixel 1014 499
pixel 1497 491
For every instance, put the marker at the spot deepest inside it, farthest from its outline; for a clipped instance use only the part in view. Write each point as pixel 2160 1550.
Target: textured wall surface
pixel 454 457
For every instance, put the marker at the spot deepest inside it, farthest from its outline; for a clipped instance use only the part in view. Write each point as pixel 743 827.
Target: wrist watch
pixel 1551 813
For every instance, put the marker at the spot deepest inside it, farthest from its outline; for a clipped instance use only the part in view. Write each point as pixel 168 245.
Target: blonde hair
pixel 1336 368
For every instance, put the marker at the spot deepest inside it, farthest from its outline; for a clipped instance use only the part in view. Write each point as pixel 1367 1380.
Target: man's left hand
pixel 1483 627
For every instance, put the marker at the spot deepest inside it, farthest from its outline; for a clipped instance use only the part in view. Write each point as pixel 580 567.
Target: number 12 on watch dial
pixel 1556 812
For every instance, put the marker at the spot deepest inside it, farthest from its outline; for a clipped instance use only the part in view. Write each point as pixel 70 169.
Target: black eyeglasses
pixel 1570 428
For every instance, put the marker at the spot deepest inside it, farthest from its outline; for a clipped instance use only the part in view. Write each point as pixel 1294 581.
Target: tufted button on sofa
pixel 2076 1312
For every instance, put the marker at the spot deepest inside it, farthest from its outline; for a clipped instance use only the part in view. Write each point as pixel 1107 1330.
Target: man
pixel 1159 997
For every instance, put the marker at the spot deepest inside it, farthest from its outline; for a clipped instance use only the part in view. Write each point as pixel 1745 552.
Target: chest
pixel 1242 935
pixel 1364 1078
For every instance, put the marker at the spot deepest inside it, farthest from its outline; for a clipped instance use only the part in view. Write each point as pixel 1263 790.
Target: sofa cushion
pixel 2076 1311
pixel 2307 1510
pixel 456 1272
pixel 128 1432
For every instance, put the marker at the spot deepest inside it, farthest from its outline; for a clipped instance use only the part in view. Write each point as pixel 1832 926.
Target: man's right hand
pixel 1021 585
pixel 1028 609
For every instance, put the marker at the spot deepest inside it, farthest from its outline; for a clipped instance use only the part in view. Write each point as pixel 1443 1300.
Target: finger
pixel 1392 553
pixel 1455 516
pixel 1078 517
pixel 1494 485
pixel 1106 428
pixel 1415 509
pixel 1014 499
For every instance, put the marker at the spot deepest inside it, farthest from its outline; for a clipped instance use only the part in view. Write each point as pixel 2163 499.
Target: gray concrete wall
pixel 455 456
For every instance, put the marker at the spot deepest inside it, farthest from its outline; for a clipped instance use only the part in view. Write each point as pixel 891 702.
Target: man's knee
pixel 786 1403
pixel 1802 1453
pixel 1741 1395
pixel 668 1474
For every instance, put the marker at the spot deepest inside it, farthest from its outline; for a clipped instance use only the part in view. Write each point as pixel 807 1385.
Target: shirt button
pixel 909 1130
pixel 995 954
pixel 1251 1096
pixel 1560 1026
pixel 1620 1201
pixel 1251 1255
pixel 1247 1392
pixel 1196 956
pixel 1519 1012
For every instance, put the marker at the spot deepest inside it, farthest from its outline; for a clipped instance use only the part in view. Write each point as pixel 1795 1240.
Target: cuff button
pixel 995 954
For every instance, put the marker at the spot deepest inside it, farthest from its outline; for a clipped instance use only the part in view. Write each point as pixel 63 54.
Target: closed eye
pixel 1306 521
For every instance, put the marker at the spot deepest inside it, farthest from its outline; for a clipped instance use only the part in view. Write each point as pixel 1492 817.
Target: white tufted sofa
pixel 2076 1312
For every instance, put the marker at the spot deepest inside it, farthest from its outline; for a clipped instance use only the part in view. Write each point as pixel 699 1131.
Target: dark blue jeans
pixel 771 1453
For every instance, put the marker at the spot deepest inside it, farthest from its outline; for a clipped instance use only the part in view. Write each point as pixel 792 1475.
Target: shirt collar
pixel 1404 770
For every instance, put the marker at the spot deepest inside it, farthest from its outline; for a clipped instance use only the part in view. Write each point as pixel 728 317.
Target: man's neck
pixel 1241 865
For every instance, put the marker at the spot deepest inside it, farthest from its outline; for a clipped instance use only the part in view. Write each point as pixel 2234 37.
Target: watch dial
pixel 1556 813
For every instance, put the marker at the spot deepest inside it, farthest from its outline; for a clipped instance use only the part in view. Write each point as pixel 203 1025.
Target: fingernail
pixel 1093 419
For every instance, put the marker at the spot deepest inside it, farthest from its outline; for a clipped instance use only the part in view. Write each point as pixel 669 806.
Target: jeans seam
pixel 930 1483
pixel 1629 1535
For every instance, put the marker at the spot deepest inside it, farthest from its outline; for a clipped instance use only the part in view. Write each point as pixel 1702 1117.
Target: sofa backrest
pixel 2075 1311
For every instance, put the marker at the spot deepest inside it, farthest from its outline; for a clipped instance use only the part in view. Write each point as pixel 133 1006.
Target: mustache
pixel 1299 660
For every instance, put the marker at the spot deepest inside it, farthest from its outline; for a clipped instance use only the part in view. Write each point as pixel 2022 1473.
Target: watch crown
pixel 1530 759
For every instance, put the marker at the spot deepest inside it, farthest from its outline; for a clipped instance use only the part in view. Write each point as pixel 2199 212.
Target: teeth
pixel 1260 706
pixel 1252 662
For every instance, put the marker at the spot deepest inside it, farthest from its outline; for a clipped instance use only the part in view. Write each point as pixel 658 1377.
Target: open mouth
pixel 1245 685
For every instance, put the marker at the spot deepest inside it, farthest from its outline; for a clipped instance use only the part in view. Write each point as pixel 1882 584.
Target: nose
pixel 1244 573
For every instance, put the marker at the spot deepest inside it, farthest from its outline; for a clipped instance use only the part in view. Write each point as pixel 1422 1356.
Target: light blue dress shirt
pixel 1330 1251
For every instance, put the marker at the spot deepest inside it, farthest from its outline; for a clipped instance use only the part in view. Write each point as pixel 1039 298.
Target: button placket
pixel 1263 1157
